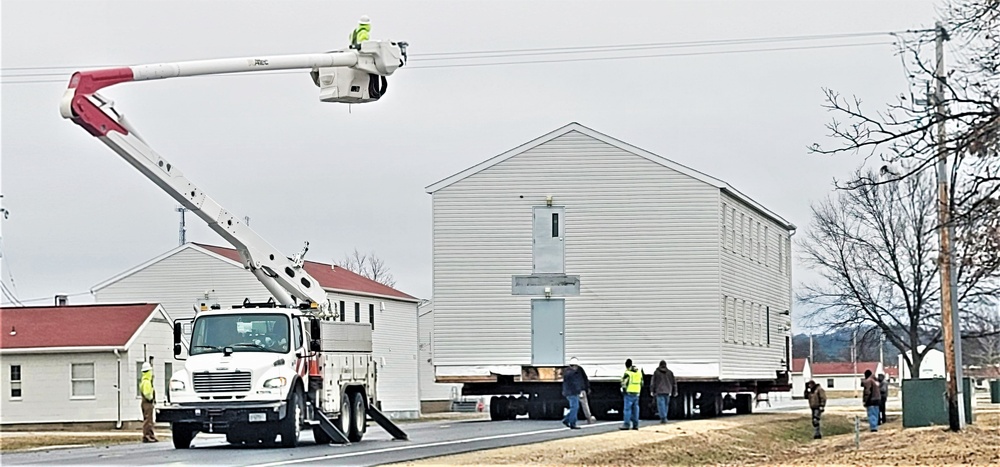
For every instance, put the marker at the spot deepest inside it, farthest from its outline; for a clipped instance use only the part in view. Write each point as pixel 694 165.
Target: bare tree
pixel 875 248
pixel 368 265
pixel 904 133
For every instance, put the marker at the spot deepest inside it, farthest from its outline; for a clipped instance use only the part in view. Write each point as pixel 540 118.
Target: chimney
pixel 62 300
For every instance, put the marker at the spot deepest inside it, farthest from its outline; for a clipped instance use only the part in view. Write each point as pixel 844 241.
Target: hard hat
pixel 146 367
pixel 364 20
pixel 574 361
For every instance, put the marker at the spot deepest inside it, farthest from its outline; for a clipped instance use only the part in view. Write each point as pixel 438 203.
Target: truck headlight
pixel 177 385
pixel 278 382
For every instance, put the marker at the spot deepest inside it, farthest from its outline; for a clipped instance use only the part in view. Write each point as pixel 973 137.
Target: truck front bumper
pixel 217 417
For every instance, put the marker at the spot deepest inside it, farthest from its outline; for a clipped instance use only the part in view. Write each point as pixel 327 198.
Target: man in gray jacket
pixel 663 387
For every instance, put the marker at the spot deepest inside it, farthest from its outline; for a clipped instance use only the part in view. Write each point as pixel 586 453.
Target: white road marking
pixel 421 446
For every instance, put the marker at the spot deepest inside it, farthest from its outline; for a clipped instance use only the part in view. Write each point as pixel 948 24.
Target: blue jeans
pixel 574 406
pixel 873 417
pixel 663 406
pixel 631 412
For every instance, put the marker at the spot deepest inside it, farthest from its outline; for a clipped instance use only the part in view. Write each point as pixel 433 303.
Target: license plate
pixel 258 417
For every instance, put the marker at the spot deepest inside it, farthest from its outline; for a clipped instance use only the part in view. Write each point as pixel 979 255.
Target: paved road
pixel 427 439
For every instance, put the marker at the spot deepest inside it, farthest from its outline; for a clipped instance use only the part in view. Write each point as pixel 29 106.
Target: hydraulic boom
pixel 341 71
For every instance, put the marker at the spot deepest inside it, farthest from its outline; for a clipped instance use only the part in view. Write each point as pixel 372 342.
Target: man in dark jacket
pixel 663 387
pixel 574 382
pixel 883 388
pixel 872 398
pixel 817 403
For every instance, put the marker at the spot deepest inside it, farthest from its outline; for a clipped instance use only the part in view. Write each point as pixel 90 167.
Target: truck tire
pixel 344 421
pixel 291 427
pixel 359 418
pixel 182 434
pixel 744 404
pixel 494 408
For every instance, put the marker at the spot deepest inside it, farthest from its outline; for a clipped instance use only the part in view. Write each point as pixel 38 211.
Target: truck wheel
pixel 320 436
pixel 344 422
pixel 744 404
pixel 182 434
pixel 291 426
pixel 494 408
pixel 360 419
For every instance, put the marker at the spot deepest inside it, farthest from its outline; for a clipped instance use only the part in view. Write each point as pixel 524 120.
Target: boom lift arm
pixel 285 278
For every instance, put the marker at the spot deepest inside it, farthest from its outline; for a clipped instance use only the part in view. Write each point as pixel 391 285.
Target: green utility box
pixel 995 391
pixel 925 402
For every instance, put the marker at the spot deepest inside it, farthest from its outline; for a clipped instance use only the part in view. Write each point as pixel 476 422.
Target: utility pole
pixel 854 357
pixel 810 348
pixel 182 236
pixel 950 322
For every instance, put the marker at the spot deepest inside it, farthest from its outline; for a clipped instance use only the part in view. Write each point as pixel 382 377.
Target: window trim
pixel 11 381
pixel 92 379
pixel 829 383
pixel 357 312
pixel 371 315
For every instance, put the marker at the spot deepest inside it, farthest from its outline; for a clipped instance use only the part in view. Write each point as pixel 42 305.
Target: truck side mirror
pixel 177 338
pixel 314 346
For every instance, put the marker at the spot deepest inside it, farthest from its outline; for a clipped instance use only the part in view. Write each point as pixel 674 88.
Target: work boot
pixel 623 428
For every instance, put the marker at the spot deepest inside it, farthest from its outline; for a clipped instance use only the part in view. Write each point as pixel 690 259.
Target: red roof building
pixel 72 328
pixel 331 277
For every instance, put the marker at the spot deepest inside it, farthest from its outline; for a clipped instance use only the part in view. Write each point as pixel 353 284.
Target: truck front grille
pixel 237 381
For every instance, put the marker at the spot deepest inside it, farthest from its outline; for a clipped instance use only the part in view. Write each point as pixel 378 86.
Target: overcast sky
pixel 345 178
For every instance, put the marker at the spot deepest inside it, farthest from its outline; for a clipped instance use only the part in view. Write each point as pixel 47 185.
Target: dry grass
pixel 769 439
pixel 23 442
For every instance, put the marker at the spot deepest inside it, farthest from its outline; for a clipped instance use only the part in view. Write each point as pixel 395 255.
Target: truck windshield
pixel 243 333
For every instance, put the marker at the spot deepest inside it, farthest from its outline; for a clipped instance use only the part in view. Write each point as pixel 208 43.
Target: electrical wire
pixel 7 79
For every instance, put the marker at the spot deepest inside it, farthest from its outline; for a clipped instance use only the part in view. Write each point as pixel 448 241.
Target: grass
pixel 761 441
pixel 19 443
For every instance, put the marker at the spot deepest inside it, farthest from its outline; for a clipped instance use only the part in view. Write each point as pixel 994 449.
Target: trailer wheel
pixel 182 434
pixel 494 408
pixel 359 423
pixel 291 427
pixel 744 404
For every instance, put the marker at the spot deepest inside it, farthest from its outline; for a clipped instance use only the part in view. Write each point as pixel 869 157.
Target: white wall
pixel 46 390
pixel 642 237
pixel 756 292
pixel 932 365
pixel 180 281
pixel 840 382
pixel 429 389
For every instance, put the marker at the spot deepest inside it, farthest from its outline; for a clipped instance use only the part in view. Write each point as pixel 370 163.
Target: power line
pixel 500 53
pixel 528 62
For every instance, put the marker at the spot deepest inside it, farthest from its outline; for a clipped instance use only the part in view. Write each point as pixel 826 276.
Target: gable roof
pixel 333 278
pixel 74 327
pixel 576 127
pixel 841 368
pixel 798 364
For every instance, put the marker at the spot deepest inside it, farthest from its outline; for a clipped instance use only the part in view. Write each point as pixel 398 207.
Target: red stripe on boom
pixel 85 113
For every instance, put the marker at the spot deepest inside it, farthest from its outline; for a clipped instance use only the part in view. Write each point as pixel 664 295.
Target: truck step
pixel 386 424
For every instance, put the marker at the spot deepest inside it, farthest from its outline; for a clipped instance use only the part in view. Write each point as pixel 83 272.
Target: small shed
pixel 78 364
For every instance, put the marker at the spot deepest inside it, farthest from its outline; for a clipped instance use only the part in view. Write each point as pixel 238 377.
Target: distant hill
pixel 836 347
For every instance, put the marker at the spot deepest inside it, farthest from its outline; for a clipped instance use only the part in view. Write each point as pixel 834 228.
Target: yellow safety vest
pixel 634 383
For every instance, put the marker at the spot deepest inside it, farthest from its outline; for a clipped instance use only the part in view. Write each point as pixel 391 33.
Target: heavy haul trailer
pixel 577 244
pixel 538 395
pixel 258 372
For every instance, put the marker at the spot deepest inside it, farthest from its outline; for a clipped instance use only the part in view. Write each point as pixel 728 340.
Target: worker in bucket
pixel 817 403
pixel 631 388
pixel 148 399
pixel 360 34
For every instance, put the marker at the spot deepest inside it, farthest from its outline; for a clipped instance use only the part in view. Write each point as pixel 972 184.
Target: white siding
pixel 179 281
pixel 753 285
pixel 429 389
pixel 641 236
pixel 156 340
pixel 45 390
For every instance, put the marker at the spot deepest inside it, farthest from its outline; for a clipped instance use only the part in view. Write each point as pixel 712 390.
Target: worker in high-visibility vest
pixel 148 398
pixel 631 388
pixel 361 32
